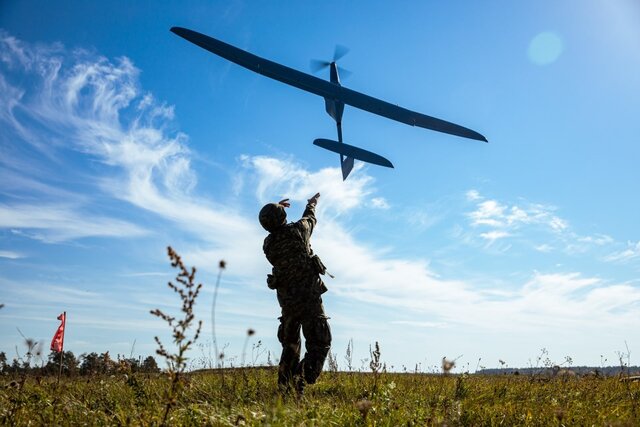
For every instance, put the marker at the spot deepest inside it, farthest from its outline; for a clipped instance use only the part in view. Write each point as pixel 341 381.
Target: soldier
pixel 296 278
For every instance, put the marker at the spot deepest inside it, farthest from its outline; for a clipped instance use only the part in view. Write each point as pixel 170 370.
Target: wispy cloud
pixel 632 252
pixel 11 255
pixel 380 203
pixel 494 235
pixel 279 178
pixel 146 274
pixel 493 214
pixel 494 221
pixel 473 195
pixel 99 107
pixel 528 222
pixel 56 223
pixel 557 300
pixel 419 324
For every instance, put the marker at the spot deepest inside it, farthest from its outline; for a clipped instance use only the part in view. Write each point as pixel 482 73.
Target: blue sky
pixel 119 138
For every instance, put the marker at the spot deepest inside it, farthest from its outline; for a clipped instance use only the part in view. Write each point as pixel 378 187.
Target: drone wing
pixel 321 87
pixel 259 65
pixel 399 114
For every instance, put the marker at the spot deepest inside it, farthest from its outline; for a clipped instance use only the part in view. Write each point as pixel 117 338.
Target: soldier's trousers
pixel 317 335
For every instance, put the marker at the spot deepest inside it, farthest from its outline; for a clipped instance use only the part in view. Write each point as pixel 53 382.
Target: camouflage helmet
pixel 272 215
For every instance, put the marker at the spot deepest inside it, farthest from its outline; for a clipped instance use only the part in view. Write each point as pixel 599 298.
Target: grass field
pixel 249 397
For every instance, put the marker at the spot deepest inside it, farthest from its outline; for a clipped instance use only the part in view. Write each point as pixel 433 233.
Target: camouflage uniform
pixel 296 278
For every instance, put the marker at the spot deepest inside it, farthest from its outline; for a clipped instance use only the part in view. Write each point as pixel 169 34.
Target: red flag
pixel 57 343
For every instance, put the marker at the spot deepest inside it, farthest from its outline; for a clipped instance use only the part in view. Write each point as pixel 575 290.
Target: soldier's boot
pixel 284 389
pixel 300 383
pixel 287 378
pixel 289 337
pixel 299 380
pixel 317 342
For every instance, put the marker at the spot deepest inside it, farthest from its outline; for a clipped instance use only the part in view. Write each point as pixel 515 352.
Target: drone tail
pixel 346 163
pixel 348 153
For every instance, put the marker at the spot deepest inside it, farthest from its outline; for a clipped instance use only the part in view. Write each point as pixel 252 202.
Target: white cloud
pixel 11 255
pixel 489 213
pixel 529 222
pixel 421 220
pixel 88 99
pixel 56 223
pixel 380 203
pixel 558 224
pixel 419 324
pixel 492 213
pixel 494 235
pixel 280 178
pixel 473 195
pixel 632 252
pixel 147 274
pixel 598 239
pixel 36 292
pixel 546 300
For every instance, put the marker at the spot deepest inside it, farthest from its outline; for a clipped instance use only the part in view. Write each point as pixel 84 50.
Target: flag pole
pixel 62 346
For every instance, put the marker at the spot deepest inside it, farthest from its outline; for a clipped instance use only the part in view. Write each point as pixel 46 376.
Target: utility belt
pixel 318 267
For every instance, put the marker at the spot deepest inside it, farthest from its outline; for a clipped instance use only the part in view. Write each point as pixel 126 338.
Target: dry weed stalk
pixel 177 362
pixel 250 333
pixel 218 356
pixel 349 355
pixel 375 365
pixel 332 362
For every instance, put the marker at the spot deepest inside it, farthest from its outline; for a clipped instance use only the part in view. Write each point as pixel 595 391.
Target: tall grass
pixel 249 397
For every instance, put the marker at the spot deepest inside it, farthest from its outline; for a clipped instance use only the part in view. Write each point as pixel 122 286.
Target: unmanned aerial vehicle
pixel 335 97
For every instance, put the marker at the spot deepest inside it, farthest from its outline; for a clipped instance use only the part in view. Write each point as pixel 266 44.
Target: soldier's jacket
pixel 295 275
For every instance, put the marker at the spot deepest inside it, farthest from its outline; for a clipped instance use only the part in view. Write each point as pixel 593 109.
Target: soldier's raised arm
pixel 308 220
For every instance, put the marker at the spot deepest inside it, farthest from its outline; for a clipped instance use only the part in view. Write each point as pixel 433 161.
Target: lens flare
pixel 545 48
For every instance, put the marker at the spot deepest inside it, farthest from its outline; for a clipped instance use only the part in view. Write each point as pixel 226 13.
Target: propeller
pixel 339 52
pixel 317 65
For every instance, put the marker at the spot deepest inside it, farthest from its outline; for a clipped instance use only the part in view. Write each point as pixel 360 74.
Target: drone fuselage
pixel 335 108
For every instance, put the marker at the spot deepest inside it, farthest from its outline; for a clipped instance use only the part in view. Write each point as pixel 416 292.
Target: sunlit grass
pixel 250 397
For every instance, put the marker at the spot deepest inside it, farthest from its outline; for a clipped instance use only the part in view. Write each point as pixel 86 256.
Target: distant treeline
pixel 85 364
pixel 578 370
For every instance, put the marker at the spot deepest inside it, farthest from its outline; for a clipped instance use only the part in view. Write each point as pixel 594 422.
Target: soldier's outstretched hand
pixel 285 203
pixel 314 199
